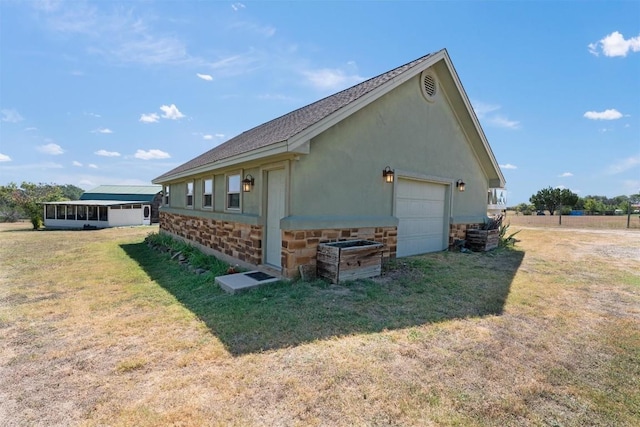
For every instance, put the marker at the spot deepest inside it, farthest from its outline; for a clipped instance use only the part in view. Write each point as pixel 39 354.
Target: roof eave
pixel 268 151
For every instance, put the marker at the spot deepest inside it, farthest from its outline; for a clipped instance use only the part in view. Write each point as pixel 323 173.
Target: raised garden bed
pixel 482 240
pixel 349 260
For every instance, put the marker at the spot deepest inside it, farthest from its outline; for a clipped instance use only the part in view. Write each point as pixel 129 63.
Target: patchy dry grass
pixel 97 329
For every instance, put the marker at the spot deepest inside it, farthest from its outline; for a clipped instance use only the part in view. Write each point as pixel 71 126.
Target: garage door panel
pixel 420 208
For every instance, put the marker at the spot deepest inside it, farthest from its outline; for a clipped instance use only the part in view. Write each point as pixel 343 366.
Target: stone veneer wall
pixel 459 232
pixel 237 240
pixel 299 247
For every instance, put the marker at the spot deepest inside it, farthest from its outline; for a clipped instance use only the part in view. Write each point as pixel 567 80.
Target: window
pixel 207 193
pixel 190 194
pixel 166 195
pixel 103 215
pixel 82 213
pixel 93 213
pixel 51 212
pixel 233 192
pixel 61 212
pixel 71 212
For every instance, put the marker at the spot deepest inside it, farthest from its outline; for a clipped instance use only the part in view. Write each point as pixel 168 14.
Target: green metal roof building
pixel 133 193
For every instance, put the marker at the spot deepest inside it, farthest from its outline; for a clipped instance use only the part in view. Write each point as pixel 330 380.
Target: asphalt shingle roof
pixel 290 124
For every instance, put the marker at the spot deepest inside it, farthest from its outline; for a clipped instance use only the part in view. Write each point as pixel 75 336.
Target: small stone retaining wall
pixel 237 240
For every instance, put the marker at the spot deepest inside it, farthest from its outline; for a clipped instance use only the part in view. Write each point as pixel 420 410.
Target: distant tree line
pixel 556 200
pixel 25 201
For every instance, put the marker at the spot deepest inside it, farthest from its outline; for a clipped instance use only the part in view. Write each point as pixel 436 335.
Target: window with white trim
pixel 71 212
pixel 190 194
pixel 61 212
pixel 233 191
pixel 51 212
pixel 207 193
pixel 166 195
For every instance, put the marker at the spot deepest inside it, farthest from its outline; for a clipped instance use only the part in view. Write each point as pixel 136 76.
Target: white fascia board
pixel 306 135
pixel 269 150
pixel 474 118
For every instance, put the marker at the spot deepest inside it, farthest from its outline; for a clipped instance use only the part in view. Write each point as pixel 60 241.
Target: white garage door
pixel 420 211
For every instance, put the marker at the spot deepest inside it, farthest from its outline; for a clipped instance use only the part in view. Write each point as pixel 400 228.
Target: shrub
pixel 193 255
pixel 507 241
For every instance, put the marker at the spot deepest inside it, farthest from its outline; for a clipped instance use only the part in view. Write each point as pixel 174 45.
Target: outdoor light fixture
pixel 247 183
pixel 460 184
pixel 387 173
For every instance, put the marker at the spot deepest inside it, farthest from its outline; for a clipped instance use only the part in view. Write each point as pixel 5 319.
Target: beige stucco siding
pixel 343 173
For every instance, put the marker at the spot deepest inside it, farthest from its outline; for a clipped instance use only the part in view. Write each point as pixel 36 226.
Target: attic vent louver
pixel 429 86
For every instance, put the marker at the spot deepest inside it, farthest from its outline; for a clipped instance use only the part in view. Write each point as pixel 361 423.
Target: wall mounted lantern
pixel 460 185
pixel 247 183
pixel 387 173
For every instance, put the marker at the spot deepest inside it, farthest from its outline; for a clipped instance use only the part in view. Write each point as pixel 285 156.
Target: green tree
pixel 592 205
pixel 9 211
pixel 552 198
pixel 71 192
pixel 29 198
pixel 524 208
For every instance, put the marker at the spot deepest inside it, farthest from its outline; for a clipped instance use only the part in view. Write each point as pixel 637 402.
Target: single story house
pixel 107 206
pixel 400 159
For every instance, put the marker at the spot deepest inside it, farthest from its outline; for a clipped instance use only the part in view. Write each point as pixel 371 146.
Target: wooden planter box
pixel 349 260
pixel 482 240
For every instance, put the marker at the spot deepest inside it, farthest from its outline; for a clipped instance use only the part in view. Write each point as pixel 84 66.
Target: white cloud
pixel 611 114
pixel 615 45
pixel 276 97
pixel 265 31
pixel 149 118
pixel 151 154
pixel 92 166
pixel 92 115
pixel 4 158
pixel 207 136
pixel 237 6
pixel 120 36
pixel 624 165
pixel 565 175
pixel 77 163
pixel 106 153
pixel 503 122
pixel 487 114
pixel 51 148
pixel 10 115
pixel 102 130
pixel 483 109
pixel 29 129
pixel 331 79
pixel 508 166
pixel 206 77
pixel 171 112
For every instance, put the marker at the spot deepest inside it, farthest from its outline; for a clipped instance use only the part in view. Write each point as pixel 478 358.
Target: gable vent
pixel 429 86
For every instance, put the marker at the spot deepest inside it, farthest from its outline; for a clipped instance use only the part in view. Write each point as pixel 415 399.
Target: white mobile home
pixel 96 214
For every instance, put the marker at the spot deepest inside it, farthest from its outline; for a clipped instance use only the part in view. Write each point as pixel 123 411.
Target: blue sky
pixel 96 93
